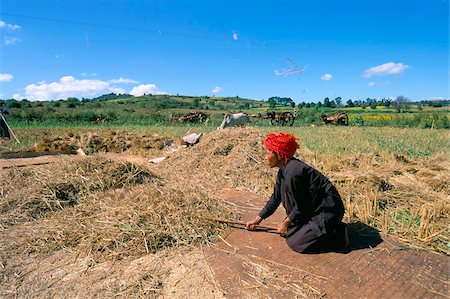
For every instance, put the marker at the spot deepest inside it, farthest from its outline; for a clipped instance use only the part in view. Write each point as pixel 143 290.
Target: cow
pixel 231 120
pixel 337 119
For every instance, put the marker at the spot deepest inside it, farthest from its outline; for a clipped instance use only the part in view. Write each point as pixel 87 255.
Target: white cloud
pixel 123 80
pixel 9 41
pixel 146 89
pixel 68 86
pixel 371 84
pixel 6 77
pixel 217 89
pixel 117 90
pixel 9 26
pixel 14 27
pixel 235 36
pixel 86 74
pixel 390 68
pixel 17 97
pixel 326 77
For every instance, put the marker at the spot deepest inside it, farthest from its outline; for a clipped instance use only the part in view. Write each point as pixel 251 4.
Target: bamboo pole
pixel 9 128
pixel 240 223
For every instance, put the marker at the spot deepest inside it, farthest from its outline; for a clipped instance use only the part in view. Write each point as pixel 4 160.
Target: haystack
pixel 103 208
pixel 227 158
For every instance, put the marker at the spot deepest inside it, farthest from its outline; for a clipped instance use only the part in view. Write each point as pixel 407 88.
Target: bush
pixel 358 121
pixel 431 120
pixel 15 104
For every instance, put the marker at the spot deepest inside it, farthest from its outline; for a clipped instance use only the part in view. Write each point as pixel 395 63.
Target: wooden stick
pixel 258 227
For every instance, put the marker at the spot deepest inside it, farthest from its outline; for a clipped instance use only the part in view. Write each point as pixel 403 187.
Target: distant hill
pixel 125 108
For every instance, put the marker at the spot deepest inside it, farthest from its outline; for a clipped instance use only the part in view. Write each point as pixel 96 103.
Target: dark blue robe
pixel 312 204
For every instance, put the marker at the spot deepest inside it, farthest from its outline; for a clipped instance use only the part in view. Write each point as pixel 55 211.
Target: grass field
pixel 339 141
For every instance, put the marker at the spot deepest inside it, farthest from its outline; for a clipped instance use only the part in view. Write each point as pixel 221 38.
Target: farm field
pixel 136 160
pixel 88 213
pixel 410 142
pixel 158 110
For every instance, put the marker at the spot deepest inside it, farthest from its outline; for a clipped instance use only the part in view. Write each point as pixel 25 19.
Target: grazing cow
pixel 337 119
pixel 231 120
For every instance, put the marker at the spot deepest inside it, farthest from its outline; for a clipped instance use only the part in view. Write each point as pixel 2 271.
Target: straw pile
pixel 229 158
pixel 29 193
pixel 112 141
pixel 104 209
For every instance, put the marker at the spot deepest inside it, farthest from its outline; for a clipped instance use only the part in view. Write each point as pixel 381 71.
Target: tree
pixel 272 102
pixel 15 104
pixel 72 102
pixel 338 101
pixel 196 102
pixel 326 102
pixel 402 104
pixel 350 103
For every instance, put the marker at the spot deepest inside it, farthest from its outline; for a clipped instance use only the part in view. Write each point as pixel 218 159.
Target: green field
pixel 153 110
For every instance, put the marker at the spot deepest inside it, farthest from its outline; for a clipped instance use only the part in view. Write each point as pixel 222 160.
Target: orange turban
pixel 283 144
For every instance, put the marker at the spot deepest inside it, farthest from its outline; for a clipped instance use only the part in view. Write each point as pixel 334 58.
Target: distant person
pixel 4 131
pixel 313 206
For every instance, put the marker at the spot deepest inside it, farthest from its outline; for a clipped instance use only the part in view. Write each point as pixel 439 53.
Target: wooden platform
pixel 260 264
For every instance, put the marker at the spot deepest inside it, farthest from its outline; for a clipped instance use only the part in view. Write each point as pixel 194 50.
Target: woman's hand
pixel 250 225
pixel 283 227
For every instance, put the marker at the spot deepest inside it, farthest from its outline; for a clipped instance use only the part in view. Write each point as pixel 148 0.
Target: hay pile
pixel 112 141
pixel 103 209
pixel 228 158
pixel 29 193
pixel 408 199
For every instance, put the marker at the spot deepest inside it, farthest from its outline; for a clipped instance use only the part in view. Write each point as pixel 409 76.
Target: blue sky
pixel 306 50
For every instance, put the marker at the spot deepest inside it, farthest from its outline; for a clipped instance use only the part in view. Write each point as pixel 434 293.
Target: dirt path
pixel 259 264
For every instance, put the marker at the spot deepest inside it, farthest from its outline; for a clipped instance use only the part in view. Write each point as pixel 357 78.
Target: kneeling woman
pixel 313 206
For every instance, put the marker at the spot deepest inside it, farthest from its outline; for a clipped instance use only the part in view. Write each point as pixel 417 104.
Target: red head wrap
pixel 283 144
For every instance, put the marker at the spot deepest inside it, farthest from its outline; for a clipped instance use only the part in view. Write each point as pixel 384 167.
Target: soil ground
pixel 260 264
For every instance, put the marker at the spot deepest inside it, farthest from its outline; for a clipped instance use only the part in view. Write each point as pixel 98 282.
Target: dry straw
pixel 105 141
pixel 408 199
pixel 97 209
pixel 103 209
